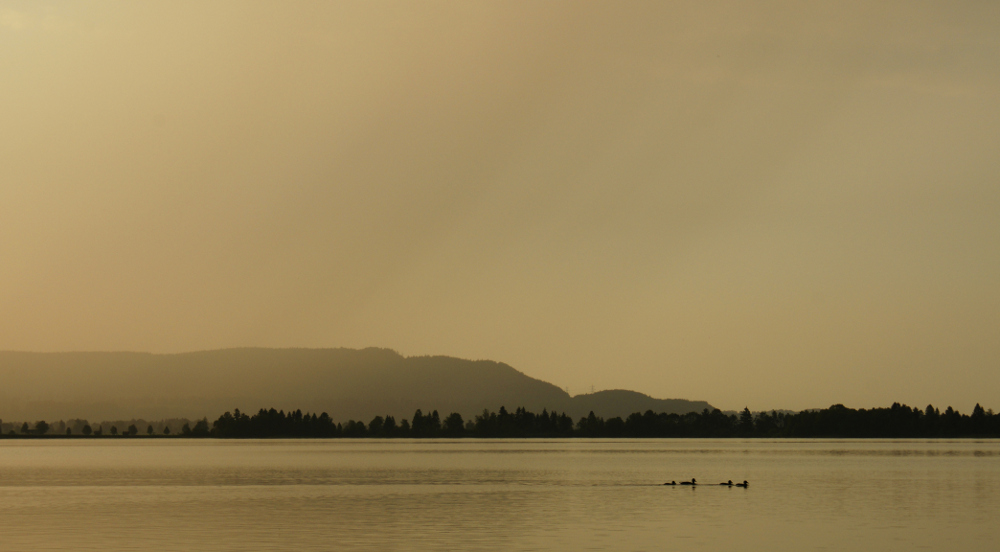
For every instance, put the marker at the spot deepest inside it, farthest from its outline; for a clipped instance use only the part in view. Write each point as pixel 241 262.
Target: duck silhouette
pixel 671 483
pixel 692 482
pixel 744 484
pixel 728 484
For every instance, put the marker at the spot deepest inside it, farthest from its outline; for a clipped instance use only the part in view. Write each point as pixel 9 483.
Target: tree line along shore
pixel 837 421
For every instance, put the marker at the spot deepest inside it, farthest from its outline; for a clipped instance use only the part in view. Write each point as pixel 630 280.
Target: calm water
pixel 498 495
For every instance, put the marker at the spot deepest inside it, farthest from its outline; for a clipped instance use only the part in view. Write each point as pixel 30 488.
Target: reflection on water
pixel 498 495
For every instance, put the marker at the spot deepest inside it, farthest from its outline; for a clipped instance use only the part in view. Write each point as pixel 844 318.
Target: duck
pixel 744 484
pixel 727 484
pixel 692 482
pixel 671 483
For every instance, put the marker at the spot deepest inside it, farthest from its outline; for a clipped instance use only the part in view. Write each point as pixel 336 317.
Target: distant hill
pixel 346 383
pixel 618 402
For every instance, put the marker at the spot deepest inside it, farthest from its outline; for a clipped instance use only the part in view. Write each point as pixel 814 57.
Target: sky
pixel 762 204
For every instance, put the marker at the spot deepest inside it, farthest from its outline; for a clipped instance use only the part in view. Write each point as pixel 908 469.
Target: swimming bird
pixel 729 484
pixel 692 482
pixel 671 483
pixel 744 484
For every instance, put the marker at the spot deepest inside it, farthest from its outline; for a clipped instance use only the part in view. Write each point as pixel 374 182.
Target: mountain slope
pixel 346 383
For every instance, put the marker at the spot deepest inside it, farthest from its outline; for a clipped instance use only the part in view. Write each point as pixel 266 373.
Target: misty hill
pixel 618 402
pixel 346 383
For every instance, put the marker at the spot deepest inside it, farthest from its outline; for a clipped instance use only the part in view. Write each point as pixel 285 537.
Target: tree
pixel 166 430
pixel 746 421
pixel 200 428
pixel 417 425
pixel 389 426
pixel 114 430
pixel 978 420
pixel 69 431
pixel 454 425
pixel 590 426
pixel 375 426
pixel 87 430
pixel 149 430
pixel 186 430
pixel 24 428
pixel 355 429
pixel 132 430
pixel 614 427
pixel 41 428
pixel 434 423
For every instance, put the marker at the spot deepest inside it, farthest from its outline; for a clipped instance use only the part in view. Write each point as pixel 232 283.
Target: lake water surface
pixel 304 495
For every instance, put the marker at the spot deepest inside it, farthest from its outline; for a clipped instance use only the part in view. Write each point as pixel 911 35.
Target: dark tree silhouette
pixel 615 427
pixel 425 426
pixel 41 428
pixel 977 421
pixel 201 428
pixel 355 429
pixel 132 430
pixel 591 426
pixel 746 422
pixel 166 430
pixel 454 425
pixel 114 430
pixel 389 427
pixel 375 427
pixel 24 428
pixel 87 429
pixel 149 430
pixel 417 425
pixel 836 421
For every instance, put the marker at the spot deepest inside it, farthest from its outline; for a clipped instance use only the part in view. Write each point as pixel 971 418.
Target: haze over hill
pixel 346 383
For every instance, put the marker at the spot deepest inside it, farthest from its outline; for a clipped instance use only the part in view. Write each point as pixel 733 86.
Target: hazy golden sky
pixel 777 205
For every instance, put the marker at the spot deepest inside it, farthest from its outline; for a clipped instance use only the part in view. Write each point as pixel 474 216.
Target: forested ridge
pixel 897 421
pixel 837 421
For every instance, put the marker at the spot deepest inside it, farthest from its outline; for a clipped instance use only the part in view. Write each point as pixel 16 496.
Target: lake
pixel 304 495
